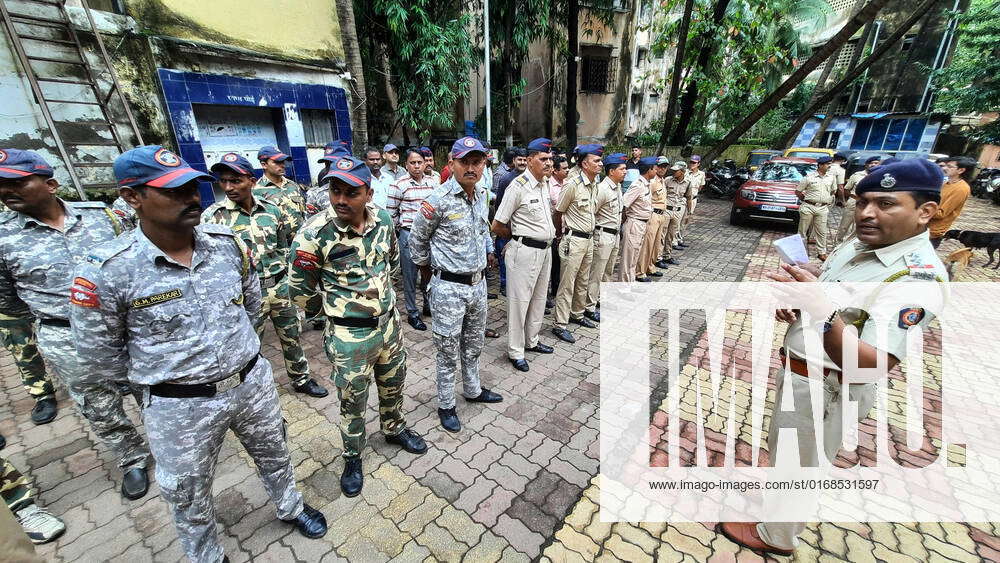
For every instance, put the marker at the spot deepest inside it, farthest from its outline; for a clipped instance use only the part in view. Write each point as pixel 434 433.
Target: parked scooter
pixel 722 179
pixel 986 183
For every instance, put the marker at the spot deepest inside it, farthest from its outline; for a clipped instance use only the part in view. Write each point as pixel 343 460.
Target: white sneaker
pixel 40 526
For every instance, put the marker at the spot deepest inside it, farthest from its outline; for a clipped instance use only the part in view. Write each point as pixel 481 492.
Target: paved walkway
pixel 518 483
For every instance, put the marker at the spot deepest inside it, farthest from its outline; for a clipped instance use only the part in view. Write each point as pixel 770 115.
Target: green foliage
pixel 971 84
pixel 428 53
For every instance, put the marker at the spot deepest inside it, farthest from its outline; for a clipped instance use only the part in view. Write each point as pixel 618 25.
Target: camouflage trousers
pixel 99 402
pixel 18 337
pixel 459 318
pixel 186 436
pixel 14 487
pixel 356 355
pixel 284 316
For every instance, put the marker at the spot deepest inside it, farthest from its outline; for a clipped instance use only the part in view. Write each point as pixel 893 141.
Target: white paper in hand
pixel 792 249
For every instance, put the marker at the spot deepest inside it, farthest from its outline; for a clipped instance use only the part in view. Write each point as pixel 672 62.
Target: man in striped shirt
pixel 405 199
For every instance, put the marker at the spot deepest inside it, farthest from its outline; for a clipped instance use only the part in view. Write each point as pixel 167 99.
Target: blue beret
pixel 590 149
pixel 540 145
pixel 648 161
pixel 16 163
pixel 910 175
pixel 873 159
pixel 823 160
pixel 350 170
pixel 614 159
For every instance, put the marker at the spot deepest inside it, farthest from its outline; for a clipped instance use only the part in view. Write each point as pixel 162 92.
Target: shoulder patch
pixel 427 209
pixel 910 316
pixel 216 229
pixel 82 294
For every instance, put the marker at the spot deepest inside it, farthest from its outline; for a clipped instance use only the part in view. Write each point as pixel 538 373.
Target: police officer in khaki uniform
pixel 816 192
pixel 846 229
pixel 696 177
pixel 608 203
pixel 525 218
pixel 895 203
pixel 575 220
pixel 679 196
pixel 638 208
pixel 652 242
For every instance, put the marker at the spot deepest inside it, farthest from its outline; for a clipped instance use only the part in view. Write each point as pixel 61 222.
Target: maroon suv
pixel 769 194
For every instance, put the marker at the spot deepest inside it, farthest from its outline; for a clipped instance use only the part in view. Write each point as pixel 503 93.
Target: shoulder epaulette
pixel 104 252
pixel 217 229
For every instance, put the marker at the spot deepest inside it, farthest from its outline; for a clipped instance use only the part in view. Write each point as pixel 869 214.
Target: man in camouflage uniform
pixel 125 213
pixel 608 217
pixel 17 332
pixel 16 493
pixel 318 198
pixel 170 306
pixel 451 241
pixel 342 265
pixel 267 232
pixel 41 241
pixel 276 188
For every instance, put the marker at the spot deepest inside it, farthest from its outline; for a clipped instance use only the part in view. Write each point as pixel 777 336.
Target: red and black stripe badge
pixel 306 260
pixel 82 293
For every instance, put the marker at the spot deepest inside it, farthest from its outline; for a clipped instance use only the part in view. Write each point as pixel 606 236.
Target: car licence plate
pixel 772 208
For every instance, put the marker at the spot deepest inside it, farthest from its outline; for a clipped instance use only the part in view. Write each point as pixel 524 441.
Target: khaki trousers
pixel 847 228
pixel 576 255
pixel 799 415
pixel 528 271
pixel 671 231
pixel 651 241
pixel 609 268
pixel 815 217
pixel 605 250
pixel 635 230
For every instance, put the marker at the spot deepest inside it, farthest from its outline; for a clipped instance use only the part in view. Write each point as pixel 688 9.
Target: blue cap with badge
pixel 540 145
pixel 648 161
pixel 910 175
pixel 16 163
pixel 584 150
pixel 333 151
pixel 390 147
pixel 349 170
pixel 233 161
pixel 272 153
pixel 154 166
pixel 425 152
pixel 465 145
pixel 614 159
pixel 824 160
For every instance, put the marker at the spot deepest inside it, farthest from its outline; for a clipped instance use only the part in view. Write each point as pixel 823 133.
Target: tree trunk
pixel 675 80
pixel 865 15
pixel 888 43
pixel 708 41
pixel 623 89
pixel 352 52
pixel 573 45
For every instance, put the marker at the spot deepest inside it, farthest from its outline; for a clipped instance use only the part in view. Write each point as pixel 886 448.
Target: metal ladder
pixel 68 90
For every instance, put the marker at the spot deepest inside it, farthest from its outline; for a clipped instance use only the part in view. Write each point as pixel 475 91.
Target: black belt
pixel 404 228
pixel 467 279
pixel 181 391
pixel 609 230
pixel 54 322
pixel 580 234
pixel 646 220
pixel 356 322
pixel 659 211
pixel 273 280
pixel 680 208
pixel 533 243
pixel 815 203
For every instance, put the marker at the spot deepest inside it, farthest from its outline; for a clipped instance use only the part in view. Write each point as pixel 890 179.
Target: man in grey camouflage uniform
pixel 450 240
pixel 125 213
pixel 170 305
pixel 41 242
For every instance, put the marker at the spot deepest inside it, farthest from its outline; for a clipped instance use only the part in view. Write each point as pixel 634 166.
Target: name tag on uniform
pixel 455 216
pixel 238 228
pixel 151 300
pixel 536 200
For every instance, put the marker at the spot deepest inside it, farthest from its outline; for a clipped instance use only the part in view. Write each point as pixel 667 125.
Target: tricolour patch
pixel 910 316
pixel 427 209
pixel 156 299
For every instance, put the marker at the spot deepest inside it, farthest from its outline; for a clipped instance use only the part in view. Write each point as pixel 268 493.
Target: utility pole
pixel 486 65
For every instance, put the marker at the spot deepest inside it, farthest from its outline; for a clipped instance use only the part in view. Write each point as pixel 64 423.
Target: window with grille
pixel 320 127
pixel 597 71
pixel 113 6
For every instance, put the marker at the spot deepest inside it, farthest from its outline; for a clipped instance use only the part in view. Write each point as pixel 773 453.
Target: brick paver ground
pixel 518 483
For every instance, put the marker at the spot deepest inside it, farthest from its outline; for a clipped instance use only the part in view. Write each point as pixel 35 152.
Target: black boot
pixel 45 411
pixel 135 484
pixel 353 478
pixel 310 522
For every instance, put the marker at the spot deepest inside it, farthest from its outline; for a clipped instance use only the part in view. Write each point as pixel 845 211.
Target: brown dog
pixel 958 261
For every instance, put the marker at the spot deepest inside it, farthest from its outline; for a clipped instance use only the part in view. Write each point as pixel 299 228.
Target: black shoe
pixel 427 309
pixel 503 290
pixel 550 303
pixel 449 420
pixel 44 411
pixel 225 559
pixel 520 365
pixel 593 315
pixel 3 442
pixel 656 274
pixel 643 279
pixel 409 441
pixel 673 262
pixel 662 264
pixel 683 245
pixel 486 396
pixel 491 295
pixel 677 247
pixel 353 478
pixel 311 388
pixel 541 348
pixel 135 483
pixel 582 322
pixel 310 522
pixel 319 325
pixel 415 322
pixel 563 335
